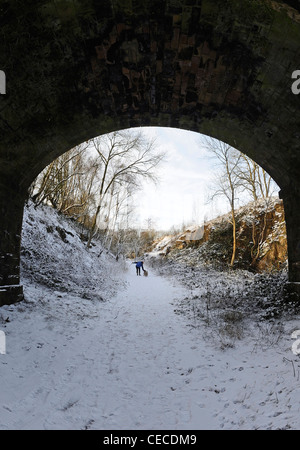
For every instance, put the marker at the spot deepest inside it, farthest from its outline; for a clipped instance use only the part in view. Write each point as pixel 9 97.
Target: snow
pixel 94 346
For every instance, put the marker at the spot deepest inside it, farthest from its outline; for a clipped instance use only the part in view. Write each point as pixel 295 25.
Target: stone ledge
pixel 11 294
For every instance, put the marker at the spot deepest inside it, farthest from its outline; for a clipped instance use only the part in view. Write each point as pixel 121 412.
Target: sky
pixel 180 196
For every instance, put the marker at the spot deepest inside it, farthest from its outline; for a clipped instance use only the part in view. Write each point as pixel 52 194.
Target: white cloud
pixel 180 195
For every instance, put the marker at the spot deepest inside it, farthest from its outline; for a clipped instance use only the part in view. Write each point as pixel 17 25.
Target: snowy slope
pixel 141 359
pixel 54 255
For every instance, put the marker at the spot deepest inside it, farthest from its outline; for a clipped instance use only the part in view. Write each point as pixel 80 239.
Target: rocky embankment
pixel 261 240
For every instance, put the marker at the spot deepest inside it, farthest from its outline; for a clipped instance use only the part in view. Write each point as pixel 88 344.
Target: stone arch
pixel 78 69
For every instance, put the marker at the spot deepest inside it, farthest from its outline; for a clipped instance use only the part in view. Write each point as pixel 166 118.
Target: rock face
pixel 191 236
pixel 261 239
pixel 78 69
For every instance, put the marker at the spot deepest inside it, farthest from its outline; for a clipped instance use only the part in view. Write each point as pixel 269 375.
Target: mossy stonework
pixel 78 69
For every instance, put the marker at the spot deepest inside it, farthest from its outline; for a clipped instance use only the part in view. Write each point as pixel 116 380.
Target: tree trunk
pixel 233 238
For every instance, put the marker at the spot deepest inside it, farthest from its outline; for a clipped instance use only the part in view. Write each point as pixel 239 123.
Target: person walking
pixel 139 265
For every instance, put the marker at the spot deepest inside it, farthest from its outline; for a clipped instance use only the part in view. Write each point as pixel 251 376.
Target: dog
pixel 145 273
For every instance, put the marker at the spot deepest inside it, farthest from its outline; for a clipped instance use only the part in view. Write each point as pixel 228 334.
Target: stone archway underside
pixel 77 69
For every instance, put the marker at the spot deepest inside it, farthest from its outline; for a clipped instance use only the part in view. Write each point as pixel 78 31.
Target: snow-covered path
pixel 120 367
pixel 132 363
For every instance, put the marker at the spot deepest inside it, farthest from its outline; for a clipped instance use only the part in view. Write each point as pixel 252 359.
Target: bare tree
pixel 66 183
pixel 119 217
pixel 95 181
pixel 238 174
pixel 125 157
pixel 227 182
pixel 254 179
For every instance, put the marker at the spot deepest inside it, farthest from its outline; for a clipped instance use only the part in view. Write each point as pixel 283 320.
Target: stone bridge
pixel 75 69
